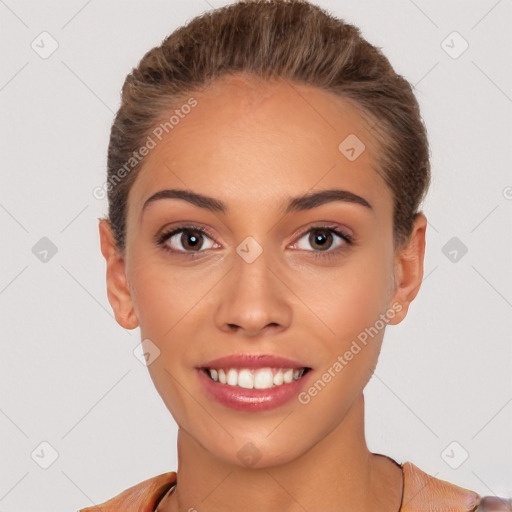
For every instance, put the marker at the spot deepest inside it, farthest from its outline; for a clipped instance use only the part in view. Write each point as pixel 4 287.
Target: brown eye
pixel 320 238
pixel 191 239
pixel 186 240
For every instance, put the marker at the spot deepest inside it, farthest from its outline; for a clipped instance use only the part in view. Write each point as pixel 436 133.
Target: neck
pixel 337 470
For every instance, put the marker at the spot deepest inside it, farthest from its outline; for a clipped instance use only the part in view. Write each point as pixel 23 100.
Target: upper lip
pixel 253 361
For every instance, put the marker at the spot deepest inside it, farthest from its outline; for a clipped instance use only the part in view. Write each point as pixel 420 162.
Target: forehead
pixel 247 140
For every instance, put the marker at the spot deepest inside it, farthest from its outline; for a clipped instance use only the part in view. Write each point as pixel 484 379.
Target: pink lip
pixel 253 361
pixel 251 400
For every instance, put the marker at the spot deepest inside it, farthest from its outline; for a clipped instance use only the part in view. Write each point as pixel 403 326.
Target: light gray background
pixel 68 373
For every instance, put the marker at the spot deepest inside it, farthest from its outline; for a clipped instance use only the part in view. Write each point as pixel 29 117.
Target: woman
pixel 265 173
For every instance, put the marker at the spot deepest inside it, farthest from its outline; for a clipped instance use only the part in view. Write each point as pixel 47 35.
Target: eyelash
pixel 327 254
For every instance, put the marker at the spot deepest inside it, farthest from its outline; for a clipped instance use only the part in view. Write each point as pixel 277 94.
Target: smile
pixel 255 378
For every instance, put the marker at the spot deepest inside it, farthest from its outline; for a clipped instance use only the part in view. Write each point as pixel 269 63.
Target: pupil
pixel 320 239
pixel 194 238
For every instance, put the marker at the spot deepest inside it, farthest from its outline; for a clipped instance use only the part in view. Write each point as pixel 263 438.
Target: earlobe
pixel 118 292
pixel 408 268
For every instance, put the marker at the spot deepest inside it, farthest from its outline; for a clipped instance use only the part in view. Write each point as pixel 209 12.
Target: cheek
pixel 163 304
pixel 347 298
pixel 161 296
pixel 154 306
pixel 351 305
pixel 171 306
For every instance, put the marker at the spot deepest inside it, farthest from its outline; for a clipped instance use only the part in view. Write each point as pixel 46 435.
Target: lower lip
pixel 254 400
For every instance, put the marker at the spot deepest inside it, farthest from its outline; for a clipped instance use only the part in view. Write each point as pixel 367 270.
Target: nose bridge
pixel 252 268
pixel 252 273
pixel 254 296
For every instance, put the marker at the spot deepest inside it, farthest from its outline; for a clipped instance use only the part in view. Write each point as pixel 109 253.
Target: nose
pixel 254 299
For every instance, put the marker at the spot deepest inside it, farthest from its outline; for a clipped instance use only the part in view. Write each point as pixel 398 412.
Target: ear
pixel 117 286
pixel 408 268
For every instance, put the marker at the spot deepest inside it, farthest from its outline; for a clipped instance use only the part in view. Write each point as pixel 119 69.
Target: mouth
pixel 255 378
pixel 253 382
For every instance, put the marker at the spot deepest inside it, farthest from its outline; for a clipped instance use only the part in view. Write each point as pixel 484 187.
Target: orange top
pixel 421 493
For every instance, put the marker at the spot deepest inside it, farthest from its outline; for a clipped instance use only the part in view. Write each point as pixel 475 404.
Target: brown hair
pixel 290 39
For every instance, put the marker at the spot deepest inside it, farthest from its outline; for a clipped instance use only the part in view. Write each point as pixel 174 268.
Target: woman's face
pixel 263 279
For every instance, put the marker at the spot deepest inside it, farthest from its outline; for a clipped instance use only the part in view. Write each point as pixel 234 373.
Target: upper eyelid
pixel 300 233
pixel 163 238
pixel 169 233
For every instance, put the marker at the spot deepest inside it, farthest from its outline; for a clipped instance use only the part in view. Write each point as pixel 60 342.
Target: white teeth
pixel 260 378
pixel 246 379
pixel 232 377
pixel 278 379
pixel 263 379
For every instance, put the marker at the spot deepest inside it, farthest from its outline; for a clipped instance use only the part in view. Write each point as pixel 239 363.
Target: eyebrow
pixel 300 203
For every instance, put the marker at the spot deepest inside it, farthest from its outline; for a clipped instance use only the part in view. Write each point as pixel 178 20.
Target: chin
pixel 254 454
